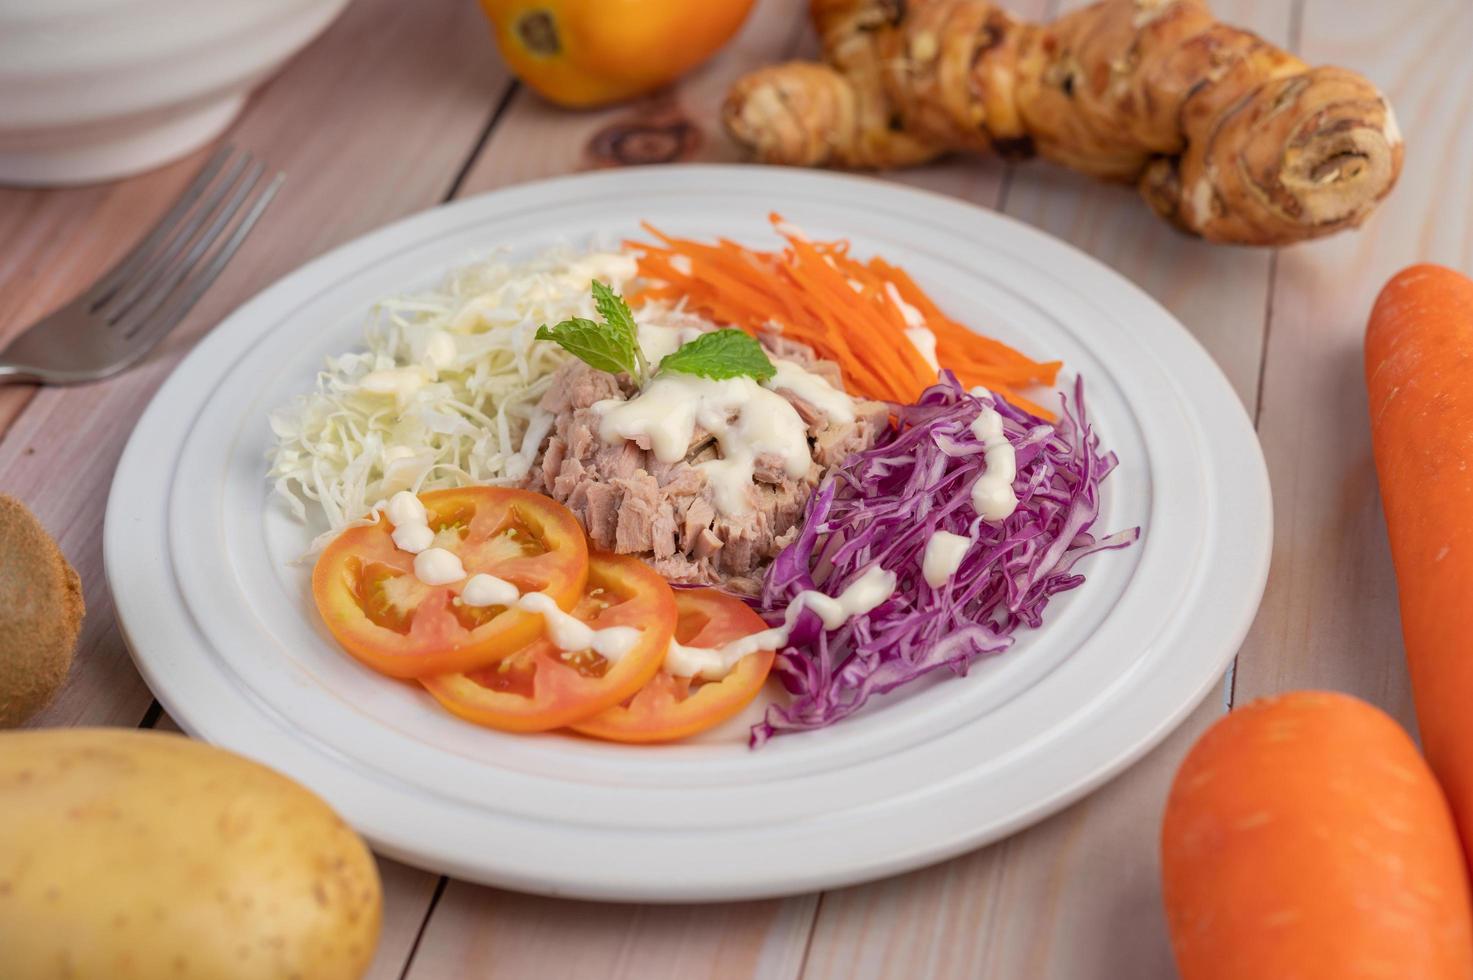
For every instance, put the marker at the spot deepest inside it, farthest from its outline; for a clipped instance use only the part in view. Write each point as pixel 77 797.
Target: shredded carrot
pixel 850 312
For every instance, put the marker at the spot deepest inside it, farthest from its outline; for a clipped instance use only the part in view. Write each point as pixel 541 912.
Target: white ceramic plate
pixel 221 624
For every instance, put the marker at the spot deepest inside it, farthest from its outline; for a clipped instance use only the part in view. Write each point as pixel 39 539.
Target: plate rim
pixel 1258 547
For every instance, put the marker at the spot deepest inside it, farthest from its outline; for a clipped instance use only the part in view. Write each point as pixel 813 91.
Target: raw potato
pixel 1226 135
pixel 1305 839
pixel 146 855
pixel 40 614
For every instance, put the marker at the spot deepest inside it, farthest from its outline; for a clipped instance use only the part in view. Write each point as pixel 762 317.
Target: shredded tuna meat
pixel 632 503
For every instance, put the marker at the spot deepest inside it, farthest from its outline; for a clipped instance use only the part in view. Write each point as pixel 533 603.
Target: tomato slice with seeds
pixel 671 707
pixel 541 687
pixel 373 604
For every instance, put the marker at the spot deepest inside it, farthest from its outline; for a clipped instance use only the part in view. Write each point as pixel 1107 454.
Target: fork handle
pixel 14 374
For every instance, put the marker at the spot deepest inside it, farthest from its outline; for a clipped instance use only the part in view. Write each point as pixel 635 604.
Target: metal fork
pixel 127 312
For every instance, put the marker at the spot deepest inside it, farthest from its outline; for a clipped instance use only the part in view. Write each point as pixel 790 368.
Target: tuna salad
pixel 683 515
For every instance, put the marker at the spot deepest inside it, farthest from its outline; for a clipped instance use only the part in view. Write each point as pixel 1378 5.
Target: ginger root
pixel 1227 136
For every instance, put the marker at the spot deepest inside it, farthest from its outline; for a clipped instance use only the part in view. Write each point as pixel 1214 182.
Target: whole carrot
pixel 1419 376
pixel 1305 838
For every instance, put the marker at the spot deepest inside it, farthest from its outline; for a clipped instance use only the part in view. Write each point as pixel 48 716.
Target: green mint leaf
pixel 721 354
pixel 595 345
pixel 620 321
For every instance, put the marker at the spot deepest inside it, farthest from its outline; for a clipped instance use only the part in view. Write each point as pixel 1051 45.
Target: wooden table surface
pixel 400 106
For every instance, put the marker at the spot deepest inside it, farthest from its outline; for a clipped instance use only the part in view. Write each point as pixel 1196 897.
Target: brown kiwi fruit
pixel 40 614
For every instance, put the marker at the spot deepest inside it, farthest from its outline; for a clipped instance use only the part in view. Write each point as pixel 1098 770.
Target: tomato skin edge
pixel 373 645
pixel 648 597
pixel 656 713
pixel 620 724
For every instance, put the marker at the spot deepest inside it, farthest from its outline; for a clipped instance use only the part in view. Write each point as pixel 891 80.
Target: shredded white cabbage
pixel 446 393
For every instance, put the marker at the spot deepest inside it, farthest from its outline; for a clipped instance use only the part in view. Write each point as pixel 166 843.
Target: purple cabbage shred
pixel 882 506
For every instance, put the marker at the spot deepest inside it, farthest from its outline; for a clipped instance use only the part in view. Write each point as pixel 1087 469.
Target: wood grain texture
pixel 492 934
pixel 419 84
pixel 1330 619
pixel 1054 900
pixel 377 119
pixel 681 123
pixel 54 244
pixel 477 931
pixel 1076 896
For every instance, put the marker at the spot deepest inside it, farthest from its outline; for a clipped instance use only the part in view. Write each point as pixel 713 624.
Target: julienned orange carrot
pixel 848 311
pixel 1419 376
pixel 1304 837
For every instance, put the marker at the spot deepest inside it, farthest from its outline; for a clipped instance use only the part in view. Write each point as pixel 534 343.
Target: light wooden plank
pixel 476 931
pixel 1075 897
pixel 1330 618
pixel 491 934
pixel 536 139
pixel 53 245
pixel 419 83
pixel 1056 900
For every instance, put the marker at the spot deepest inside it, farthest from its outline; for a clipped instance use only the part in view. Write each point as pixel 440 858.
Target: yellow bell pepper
pixel 583 53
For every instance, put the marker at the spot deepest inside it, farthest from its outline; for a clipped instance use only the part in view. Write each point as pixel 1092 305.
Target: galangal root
pixel 1226 135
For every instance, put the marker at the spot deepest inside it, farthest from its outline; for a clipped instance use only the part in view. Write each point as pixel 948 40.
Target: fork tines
pixel 151 289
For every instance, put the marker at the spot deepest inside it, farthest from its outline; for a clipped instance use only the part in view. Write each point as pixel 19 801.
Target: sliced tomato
pixel 671 707
pixel 542 687
pixel 368 595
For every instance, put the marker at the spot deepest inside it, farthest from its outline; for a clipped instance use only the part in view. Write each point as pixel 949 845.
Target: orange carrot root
pixel 1305 837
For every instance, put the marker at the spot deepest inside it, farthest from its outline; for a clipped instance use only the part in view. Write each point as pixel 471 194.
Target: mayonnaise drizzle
pixel 746 419
pixel 411 528
pixel 863 595
pixel 568 633
pixel 812 388
pixel 606 267
pixel 916 331
pixel 659 341
pixel 401 382
pixel 992 495
pixel 943 556
pixel 438 566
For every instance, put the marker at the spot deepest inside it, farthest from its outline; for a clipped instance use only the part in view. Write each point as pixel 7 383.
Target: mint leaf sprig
pixel 721 354
pixel 613 345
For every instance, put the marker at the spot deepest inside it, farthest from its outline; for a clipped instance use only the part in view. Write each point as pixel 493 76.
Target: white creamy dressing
pixel 916 331
pixel 814 389
pixel 658 341
pixel 413 538
pixel 437 566
pixel 613 643
pixel 863 595
pixel 401 382
pixel 481 590
pixel 992 495
pixel 411 525
pixel 440 350
pixel 529 294
pixel 606 267
pixel 567 632
pixel 439 354
pixel 943 556
pixel 746 419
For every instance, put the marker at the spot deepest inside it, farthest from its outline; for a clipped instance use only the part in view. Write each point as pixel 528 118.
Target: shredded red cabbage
pixel 882 506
